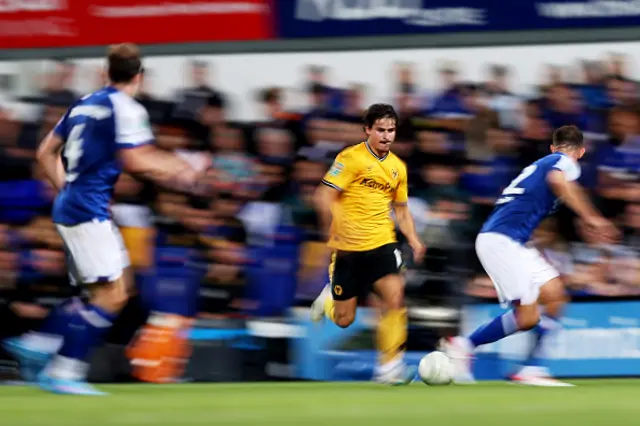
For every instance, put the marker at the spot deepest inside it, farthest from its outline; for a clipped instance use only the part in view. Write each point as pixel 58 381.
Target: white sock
pixel 42 342
pixel 390 368
pixel 65 368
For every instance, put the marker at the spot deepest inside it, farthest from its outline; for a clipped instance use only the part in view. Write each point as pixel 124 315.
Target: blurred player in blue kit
pixel 83 156
pixel 522 277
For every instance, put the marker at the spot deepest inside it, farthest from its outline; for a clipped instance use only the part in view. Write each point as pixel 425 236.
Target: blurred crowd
pixel 254 248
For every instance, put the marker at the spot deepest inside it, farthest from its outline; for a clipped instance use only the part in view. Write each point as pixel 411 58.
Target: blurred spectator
pixel 563 106
pixel 618 161
pixel 632 226
pixel 622 92
pixel 237 168
pixel 319 96
pixel 275 146
pixel 405 79
pixel 271 100
pixel 553 76
pixel 449 103
pixel 58 85
pixel 354 106
pixel 15 159
pixel 132 214
pixel 145 92
pixel 500 97
pixel 332 97
pixel 226 252
pixel 194 97
pixel 535 133
pixel 618 64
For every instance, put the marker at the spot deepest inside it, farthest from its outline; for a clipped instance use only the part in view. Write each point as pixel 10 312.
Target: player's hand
pixel 196 182
pixel 602 229
pixel 419 251
pixel 185 180
pixel 205 182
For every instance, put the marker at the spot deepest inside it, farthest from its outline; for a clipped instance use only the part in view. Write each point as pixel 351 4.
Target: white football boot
pixel 317 307
pixel 459 349
pixel 537 376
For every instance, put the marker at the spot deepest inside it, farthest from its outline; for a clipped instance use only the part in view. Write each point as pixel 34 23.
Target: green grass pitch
pixel 592 402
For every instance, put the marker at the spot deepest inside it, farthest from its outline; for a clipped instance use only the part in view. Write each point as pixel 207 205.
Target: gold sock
pixel 329 308
pixel 392 335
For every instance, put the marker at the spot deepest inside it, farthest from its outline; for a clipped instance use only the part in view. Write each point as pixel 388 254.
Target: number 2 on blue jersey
pixel 73 151
pixel 513 188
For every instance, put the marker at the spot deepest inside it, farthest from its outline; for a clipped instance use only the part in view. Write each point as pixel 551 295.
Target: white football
pixel 436 369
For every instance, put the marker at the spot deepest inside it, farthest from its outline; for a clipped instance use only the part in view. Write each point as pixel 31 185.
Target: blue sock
pixel 85 329
pixel 546 326
pixel 48 337
pixel 499 328
pixel 55 322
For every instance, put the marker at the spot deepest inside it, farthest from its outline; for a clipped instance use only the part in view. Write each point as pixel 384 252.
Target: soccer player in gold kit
pixel 365 185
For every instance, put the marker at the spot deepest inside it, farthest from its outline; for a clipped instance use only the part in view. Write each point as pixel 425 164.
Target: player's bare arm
pixel 48 156
pixel 324 198
pixel 408 229
pixel 164 168
pixel 574 196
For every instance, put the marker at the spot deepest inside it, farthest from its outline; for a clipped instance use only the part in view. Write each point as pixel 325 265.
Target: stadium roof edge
pixel 453 40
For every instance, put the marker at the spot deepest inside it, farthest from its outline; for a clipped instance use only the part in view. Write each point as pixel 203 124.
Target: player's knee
pixel 344 319
pixel 553 292
pixel 560 299
pixel 527 318
pixel 111 296
pixel 556 307
pixel 119 300
pixel 394 300
pixel 553 296
pixel 391 291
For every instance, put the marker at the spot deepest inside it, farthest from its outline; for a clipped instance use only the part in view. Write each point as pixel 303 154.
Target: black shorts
pixel 353 273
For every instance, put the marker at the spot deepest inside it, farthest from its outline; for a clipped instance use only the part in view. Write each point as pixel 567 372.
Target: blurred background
pixel 267 92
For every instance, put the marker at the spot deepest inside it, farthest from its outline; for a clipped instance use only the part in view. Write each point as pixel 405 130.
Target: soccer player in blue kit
pixel 522 277
pixel 83 156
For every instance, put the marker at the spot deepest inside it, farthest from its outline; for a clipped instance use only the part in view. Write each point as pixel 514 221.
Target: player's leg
pixel 338 300
pixel 341 312
pixel 97 262
pixel 384 270
pixel 391 335
pixel 507 264
pixel 553 298
pixel 86 327
pixel 460 349
pixel 317 312
pixel 35 348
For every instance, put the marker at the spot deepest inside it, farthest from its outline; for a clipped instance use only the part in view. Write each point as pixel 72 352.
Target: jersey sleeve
pixel 132 126
pixel 61 127
pixel 569 167
pixel 402 192
pixel 343 171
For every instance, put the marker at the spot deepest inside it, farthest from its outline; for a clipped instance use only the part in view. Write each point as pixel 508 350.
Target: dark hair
pixel 318 89
pixel 272 94
pixel 199 64
pixel 379 111
pixel 568 137
pixel 216 100
pixel 124 62
pixel 499 70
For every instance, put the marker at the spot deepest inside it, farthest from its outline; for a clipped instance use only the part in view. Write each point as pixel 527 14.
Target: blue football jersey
pixel 528 199
pixel 93 130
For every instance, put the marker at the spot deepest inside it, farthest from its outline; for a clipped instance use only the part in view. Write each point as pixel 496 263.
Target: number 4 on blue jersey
pixel 94 129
